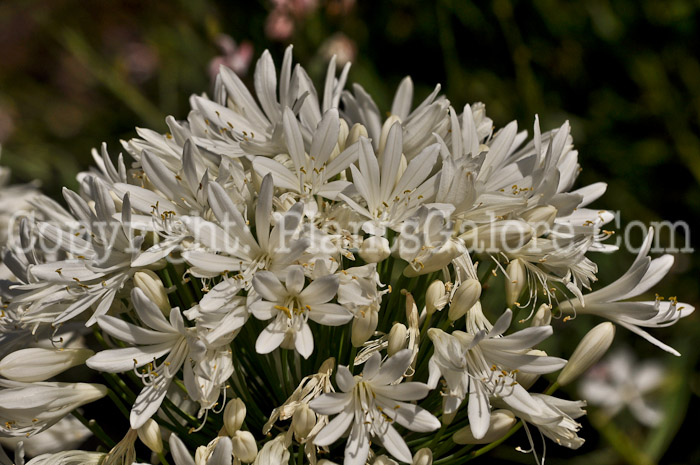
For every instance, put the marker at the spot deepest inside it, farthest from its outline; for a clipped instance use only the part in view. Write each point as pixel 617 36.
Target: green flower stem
pixel 183 289
pixel 351 361
pixel 95 428
pixel 161 458
pixel 117 401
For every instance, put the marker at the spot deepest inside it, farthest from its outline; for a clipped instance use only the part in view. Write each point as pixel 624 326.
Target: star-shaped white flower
pixel 291 305
pixel 369 404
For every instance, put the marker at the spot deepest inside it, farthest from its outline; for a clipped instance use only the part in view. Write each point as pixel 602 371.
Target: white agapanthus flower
pixel 351 236
pixel 291 305
pixel 369 403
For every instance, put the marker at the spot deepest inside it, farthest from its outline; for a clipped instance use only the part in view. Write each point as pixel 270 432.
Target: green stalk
pixel 95 428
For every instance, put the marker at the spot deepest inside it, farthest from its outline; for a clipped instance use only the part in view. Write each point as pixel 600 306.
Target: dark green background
pixel 626 74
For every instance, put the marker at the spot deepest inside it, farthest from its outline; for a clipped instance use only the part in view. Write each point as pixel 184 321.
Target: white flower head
pixel 369 404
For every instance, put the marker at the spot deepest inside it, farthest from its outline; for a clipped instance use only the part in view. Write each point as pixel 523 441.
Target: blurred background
pixel 626 74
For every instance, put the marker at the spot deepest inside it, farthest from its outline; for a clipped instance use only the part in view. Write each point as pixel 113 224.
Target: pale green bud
pixel 244 447
pixel 591 348
pixel 515 281
pixel 466 296
pixel 303 421
pixel 149 434
pixel 152 286
pixel 501 421
pixel 363 327
pixel 424 456
pixel 434 295
pixel 234 414
pixel 397 338
pixel 356 131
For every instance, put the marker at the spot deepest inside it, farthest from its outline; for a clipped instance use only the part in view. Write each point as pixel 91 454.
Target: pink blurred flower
pixel 235 56
pixel 279 25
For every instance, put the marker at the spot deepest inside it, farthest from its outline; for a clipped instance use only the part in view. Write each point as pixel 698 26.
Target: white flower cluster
pixel 351 239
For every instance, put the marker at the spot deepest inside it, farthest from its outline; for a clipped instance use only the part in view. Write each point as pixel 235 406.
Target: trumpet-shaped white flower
pixel 291 305
pixel 369 404
pixel 29 408
pixel 611 301
pixel 161 338
pixel 483 365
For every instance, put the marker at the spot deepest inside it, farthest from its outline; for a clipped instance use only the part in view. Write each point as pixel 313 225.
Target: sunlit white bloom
pixel 368 405
pixel 67 433
pixel 291 305
pixel 29 408
pixel 483 365
pixel 611 301
pixel 160 338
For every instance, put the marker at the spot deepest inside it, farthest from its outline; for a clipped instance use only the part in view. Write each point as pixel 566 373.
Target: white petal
pixel 320 290
pixel 120 360
pixel 330 314
pixel 357 447
pixel 479 409
pixel 403 391
pixel 268 286
pixel 295 280
pixel 330 403
pixel 269 339
pixel 179 451
pixel 394 367
pixel 334 429
pixel 304 341
pixel 344 379
pixel 395 445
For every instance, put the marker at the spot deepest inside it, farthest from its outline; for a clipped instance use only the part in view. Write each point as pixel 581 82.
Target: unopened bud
pixel 343 132
pixel 424 456
pixel 591 348
pixel 234 414
pixel 37 364
pixel 363 327
pixel 244 447
pixel 540 218
pixel 433 296
pixel 356 131
pixel 515 281
pixel 375 249
pixel 466 296
pixel 397 338
pixel 303 421
pixel 152 286
pixel 384 460
pixel 543 316
pixel 386 127
pixel 149 434
pixel 499 236
pixel 501 421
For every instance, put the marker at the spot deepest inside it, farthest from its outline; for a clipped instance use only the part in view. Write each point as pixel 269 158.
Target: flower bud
pixel 386 127
pixel 303 421
pixel 515 281
pixel 501 421
pixel 363 327
pixel 499 236
pixel 424 456
pixel 543 316
pixel 466 296
pixel 356 131
pixel 37 364
pixel 384 460
pixel 343 132
pixel 244 447
pixel 436 291
pixel 234 414
pixel 149 434
pixel 540 218
pixel 397 338
pixel 375 249
pixel 591 348
pixel 152 286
